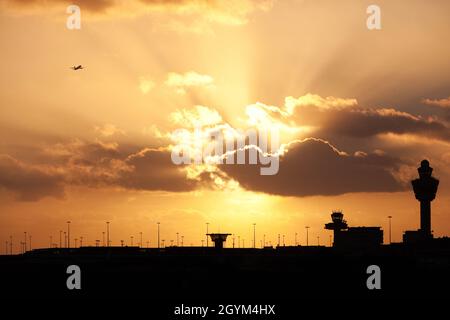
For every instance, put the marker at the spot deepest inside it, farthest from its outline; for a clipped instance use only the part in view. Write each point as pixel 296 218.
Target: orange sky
pixel 94 145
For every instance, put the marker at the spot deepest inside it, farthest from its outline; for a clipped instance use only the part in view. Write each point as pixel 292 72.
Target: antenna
pixel 68 234
pixel 107 233
pixel 254 235
pixel 159 246
pixel 207 231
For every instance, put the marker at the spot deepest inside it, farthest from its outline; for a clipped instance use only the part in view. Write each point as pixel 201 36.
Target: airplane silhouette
pixel 75 68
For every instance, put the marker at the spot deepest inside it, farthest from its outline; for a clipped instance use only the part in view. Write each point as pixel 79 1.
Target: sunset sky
pixel 357 110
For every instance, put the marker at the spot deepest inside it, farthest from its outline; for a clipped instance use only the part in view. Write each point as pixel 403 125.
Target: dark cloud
pixel 335 117
pixel 233 10
pixel 27 182
pixel 152 169
pixel 365 123
pixel 92 165
pixel 90 5
pixel 314 167
pixel 310 167
pixel 98 165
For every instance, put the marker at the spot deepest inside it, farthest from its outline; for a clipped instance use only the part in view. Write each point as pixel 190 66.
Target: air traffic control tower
pixel 218 239
pixel 425 188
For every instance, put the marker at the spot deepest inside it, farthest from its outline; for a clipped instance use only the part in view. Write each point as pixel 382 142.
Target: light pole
pixel 141 240
pixel 68 234
pixel 103 237
pixel 131 240
pixel 307 236
pixel 60 238
pixel 207 231
pixel 30 241
pixel 107 233
pixel 390 229
pixel 254 235
pixel 65 239
pixel 159 246
pixel 284 244
pixel 264 241
pixel 233 241
pixel 279 240
pixel 182 241
pixel 178 242
pixel 25 243
pixel 239 241
pixel 81 241
pixel 51 241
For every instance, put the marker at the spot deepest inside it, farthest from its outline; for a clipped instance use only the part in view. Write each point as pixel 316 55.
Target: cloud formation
pixel 108 130
pixel 230 12
pixel 308 166
pixel 93 165
pixel 29 183
pixel 331 117
pixel 315 167
pixel 443 103
pixel 181 82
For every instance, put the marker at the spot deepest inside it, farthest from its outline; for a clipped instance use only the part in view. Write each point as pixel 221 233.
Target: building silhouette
pixel 218 239
pixel 353 237
pixel 425 188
